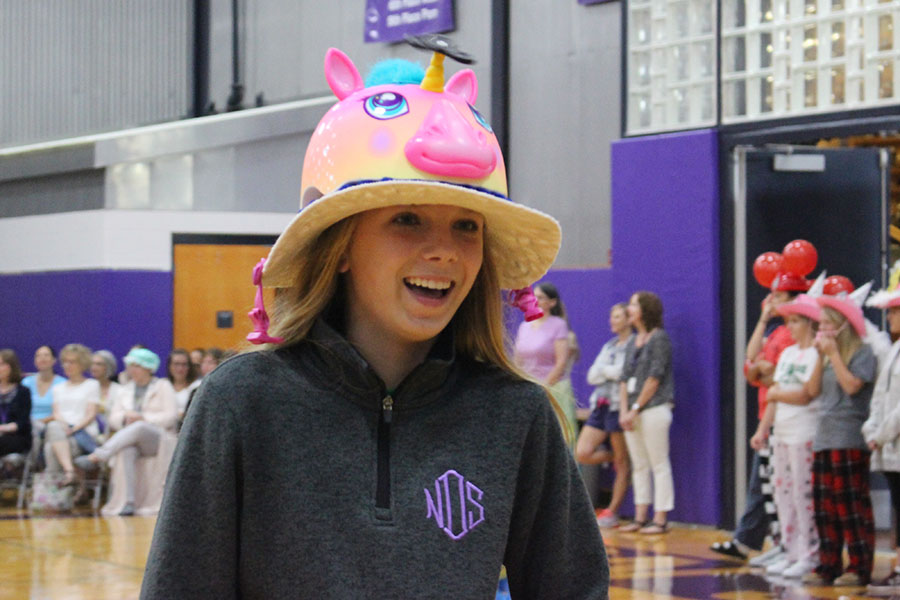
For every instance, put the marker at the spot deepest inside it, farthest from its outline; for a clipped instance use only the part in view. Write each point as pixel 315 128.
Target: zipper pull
pixel 387 407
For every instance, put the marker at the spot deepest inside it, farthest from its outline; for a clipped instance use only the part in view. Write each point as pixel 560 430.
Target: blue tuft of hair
pixel 395 70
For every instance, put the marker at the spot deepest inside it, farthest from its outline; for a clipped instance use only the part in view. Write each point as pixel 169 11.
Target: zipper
pixel 383 490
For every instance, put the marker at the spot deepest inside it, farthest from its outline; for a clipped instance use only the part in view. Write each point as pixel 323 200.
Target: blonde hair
pixel 296 308
pixel 82 354
pixel 478 325
pixel 847 340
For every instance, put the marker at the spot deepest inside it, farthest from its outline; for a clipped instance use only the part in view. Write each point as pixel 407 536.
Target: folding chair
pixel 19 467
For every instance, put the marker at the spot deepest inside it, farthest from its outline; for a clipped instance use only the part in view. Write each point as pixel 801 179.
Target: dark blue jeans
pixel 85 441
pixel 754 524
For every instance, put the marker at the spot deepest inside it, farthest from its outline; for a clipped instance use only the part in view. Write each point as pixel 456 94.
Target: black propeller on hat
pixel 441 44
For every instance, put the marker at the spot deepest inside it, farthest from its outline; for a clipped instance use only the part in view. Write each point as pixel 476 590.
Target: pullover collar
pixel 329 357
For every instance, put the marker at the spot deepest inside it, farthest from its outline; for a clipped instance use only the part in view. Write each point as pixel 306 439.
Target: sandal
pixel 633 526
pixel 68 479
pixel 654 527
pixel 728 548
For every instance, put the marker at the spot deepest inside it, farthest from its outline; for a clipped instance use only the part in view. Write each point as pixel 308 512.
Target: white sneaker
pixel 778 567
pixel 798 569
pixel 768 557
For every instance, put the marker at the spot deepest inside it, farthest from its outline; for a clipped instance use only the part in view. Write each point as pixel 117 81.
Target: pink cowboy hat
pixel 849 309
pixel 802 305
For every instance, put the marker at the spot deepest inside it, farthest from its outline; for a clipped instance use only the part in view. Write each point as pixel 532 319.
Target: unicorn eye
pixel 481 120
pixel 386 105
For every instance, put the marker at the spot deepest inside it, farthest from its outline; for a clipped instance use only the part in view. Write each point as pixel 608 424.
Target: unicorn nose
pixel 447 144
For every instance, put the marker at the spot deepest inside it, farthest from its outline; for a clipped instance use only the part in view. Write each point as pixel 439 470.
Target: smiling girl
pixel 383 445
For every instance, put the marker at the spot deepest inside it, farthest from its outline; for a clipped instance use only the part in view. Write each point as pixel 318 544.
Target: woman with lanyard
pixel 603 423
pixel 646 395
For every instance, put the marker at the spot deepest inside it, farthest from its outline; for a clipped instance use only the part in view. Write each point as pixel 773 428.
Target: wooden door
pixel 212 284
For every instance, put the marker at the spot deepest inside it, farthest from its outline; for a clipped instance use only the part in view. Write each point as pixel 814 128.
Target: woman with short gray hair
pixel 144 414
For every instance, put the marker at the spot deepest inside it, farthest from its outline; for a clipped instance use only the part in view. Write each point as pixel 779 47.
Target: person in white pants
pixel 646 399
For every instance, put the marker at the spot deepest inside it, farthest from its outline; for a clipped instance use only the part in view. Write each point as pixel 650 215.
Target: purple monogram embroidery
pixel 456 505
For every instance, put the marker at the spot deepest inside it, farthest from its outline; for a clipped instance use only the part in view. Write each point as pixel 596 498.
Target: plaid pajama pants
pixel 843 511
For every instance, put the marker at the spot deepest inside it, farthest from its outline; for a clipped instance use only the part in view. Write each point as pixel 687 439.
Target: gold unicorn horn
pixel 434 76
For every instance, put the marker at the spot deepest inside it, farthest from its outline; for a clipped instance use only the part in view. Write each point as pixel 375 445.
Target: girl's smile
pixel 408 269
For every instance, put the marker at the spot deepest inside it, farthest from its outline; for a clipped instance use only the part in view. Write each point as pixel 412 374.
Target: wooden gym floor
pixel 89 557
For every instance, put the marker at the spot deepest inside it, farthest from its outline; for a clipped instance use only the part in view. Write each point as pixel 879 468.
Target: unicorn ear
pixel 465 84
pixel 858 296
pixel 818 286
pixel 340 72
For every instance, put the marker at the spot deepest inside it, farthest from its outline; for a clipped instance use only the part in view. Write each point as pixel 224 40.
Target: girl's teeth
pixel 425 283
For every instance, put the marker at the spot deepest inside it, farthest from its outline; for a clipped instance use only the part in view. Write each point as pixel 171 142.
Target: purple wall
pixel 101 309
pixel 665 206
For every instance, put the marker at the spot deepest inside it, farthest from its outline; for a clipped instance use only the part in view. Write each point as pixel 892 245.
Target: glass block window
pixel 783 58
pixel 779 58
pixel 671 65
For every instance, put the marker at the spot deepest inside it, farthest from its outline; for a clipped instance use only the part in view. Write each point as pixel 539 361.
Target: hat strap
pixel 524 300
pixel 260 333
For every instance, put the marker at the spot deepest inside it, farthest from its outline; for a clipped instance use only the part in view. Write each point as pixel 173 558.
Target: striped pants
pixel 843 511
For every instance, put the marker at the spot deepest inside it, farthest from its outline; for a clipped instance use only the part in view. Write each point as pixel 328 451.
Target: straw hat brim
pixel 524 242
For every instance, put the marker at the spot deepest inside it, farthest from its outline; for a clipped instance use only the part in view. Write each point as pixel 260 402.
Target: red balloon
pixel 766 266
pixel 836 284
pixel 800 257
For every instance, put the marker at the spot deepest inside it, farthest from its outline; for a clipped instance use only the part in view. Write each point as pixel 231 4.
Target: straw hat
pixel 394 144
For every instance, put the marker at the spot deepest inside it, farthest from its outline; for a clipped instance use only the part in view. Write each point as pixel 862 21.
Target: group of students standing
pixel 630 407
pixel 827 401
pixel 77 423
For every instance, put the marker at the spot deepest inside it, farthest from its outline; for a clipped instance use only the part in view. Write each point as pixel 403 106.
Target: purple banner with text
pixel 390 20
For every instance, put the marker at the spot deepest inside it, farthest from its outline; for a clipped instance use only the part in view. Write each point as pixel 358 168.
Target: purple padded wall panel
pixel 101 309
pixel 665 206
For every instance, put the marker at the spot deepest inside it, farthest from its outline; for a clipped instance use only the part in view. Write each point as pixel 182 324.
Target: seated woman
pixel 181 373
pixel 73 430
pixel 41 385
pixel 15 406
pixel 144 413
pixel 212 359
pixel 103 369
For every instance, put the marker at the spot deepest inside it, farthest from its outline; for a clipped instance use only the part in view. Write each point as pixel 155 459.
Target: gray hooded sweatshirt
pixel 298 476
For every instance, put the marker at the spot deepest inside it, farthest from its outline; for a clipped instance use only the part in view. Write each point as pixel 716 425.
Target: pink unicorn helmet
pixel 411 142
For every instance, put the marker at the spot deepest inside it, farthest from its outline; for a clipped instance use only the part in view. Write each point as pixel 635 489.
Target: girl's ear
pixel 344 264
